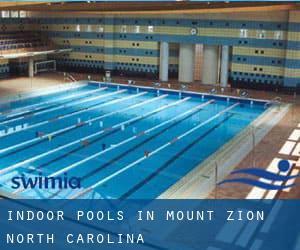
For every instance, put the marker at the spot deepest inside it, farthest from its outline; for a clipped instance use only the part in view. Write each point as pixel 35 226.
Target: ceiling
pixel 140 7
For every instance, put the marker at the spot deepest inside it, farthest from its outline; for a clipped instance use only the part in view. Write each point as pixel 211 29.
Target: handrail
pixel 156 85
pixel 183 87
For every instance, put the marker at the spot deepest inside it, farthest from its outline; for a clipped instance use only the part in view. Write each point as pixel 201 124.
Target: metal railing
pixel 69 77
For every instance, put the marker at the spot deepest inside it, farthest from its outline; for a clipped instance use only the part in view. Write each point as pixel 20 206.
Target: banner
pixel 150 224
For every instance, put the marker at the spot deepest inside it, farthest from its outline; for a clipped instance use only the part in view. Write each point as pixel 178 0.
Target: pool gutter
pixel 174 91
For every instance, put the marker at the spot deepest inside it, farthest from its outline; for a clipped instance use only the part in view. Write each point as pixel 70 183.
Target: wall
pixel 265 46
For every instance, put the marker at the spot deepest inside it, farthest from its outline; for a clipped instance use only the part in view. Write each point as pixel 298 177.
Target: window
pixel 261 34
pixel 243 33
pixel 89 28
pixel 100 29
pixel 150 29
pixel 278 35
pixel 137 29
pixel 14 14
pixel 5 14
pixel 22 14
pixel 123 29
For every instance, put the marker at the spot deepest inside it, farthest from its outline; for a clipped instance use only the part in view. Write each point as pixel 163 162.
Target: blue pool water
pixel 123 142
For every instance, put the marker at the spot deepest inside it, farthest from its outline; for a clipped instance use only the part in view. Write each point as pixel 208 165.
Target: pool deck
pixel 275 145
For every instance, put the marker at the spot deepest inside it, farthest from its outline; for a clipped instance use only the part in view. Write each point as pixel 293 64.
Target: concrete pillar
pixel 186 63
pixel 210 67
pixel 198 62
pixel 164 62
pixel 31 67
pixel 224 66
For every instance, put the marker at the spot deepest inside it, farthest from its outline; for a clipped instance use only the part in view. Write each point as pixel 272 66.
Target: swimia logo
pixel 267 180
pixel 44 182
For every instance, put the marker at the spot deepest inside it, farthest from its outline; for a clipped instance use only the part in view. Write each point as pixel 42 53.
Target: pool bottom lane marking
pixel 62 130
pixel 171 160
pixel 47 93
pixel 53 108
pixel 172 122
pixel 198 107
pixel 53 134
pixel 87 122
pixel 75 126
pixel 115 127
pixel 49 104
pixel 84 191
pixel 119 125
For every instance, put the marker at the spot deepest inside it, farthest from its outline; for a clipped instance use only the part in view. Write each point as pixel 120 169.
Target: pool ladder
pixel 274 102
pixel 157 85
pixel 69 77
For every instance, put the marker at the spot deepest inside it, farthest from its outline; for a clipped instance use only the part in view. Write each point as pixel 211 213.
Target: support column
pixel 210 64
pixel 186 63
pixel 164 62
pixel 31 67
pixel 224 66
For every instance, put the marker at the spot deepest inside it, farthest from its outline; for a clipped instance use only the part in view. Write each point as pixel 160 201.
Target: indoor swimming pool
pixel 121 141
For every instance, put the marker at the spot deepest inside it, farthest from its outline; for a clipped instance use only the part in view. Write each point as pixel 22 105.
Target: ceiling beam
pixel 150 8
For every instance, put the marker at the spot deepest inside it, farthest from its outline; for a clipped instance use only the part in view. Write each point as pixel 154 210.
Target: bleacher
pixel 23 42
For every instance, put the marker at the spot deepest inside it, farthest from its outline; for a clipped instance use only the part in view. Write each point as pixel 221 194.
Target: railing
pixel 156 85
pixel 274 102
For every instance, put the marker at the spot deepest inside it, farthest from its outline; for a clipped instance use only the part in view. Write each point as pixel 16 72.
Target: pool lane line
pixel 128 150
pixel 119 125
pixel 51 109
pixel 157 150
pixel 37 140
pixel 94 140
pixel 152 175
pixel 172 121
pixel 49 104
pixel 67 88
pixel 16 165
pixel 110 129
pixel 76 112
pixel 18 110
pixel 74 126
pixel 40 105
pixel 83 124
